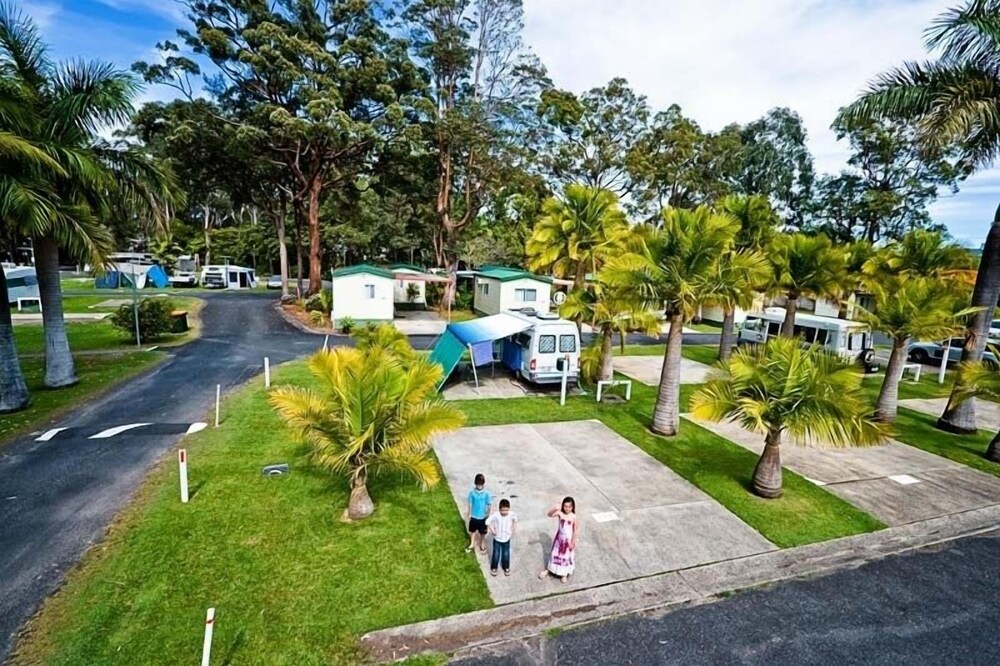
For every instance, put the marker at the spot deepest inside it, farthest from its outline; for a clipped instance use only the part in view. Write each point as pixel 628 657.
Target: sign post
pixel 206 648
pixel 564 362
pixel 944 361
pixel 218 397
pixel 183 462
pixel 267 372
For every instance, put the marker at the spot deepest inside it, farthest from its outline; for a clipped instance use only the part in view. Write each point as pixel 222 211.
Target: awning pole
pixel 475 375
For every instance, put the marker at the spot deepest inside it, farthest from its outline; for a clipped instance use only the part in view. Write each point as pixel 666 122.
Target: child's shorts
pixel 477 525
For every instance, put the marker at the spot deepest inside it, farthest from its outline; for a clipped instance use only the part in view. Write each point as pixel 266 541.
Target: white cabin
pixel 500 289
pixel 363 293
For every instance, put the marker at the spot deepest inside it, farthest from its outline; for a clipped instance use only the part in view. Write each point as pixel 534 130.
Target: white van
pixel 535 353
pixel 228 277
pixel 843 337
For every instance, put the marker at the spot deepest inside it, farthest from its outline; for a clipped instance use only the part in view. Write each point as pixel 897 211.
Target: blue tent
pixel 147 276
pixel 458 337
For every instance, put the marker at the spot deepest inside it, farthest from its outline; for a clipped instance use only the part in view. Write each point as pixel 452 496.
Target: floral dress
pixel 562 559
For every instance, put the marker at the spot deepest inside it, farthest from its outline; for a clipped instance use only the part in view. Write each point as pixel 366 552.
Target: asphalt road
pixel 58 497
pixel 934 606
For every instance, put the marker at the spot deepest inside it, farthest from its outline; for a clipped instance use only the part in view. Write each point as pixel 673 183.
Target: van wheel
pixel 920 356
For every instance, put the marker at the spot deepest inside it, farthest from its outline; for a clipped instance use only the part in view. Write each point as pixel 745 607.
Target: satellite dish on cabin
pixel 559 297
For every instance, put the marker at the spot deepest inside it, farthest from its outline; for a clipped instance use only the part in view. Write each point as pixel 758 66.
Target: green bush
pixel 154 318
pixel 463 298
pixel 319 302
pixel 346 324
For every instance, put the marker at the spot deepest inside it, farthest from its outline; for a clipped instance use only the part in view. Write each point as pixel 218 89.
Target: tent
pixel 122 275
pixel 476 335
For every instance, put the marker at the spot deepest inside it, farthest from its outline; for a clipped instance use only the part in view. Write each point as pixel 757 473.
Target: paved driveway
pixel 638 517
pixel 896 483
pixel 987 413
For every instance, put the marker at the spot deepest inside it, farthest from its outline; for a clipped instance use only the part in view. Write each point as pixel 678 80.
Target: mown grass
pixel 291 584
pixel 804 514
pixel 97 374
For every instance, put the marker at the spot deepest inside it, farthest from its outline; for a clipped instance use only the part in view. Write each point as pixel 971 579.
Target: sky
pixel 722 61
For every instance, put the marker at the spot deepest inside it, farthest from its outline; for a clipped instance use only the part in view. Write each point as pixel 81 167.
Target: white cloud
pixel 43 13
pixel 171 9
pixel 726 61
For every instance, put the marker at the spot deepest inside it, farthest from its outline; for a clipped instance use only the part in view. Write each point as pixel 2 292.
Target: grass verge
pixel 98 374
pixel 804 514
pixel 291 584
pixel 917 429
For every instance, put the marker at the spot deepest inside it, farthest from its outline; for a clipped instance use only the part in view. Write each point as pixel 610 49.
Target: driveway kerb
pixel 516 622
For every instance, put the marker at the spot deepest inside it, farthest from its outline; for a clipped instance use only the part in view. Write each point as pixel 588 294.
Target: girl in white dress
pixel 562 557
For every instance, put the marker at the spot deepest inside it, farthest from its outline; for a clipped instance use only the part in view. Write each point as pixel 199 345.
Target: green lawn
pixel 97 374
pixel 705 327
pixel 702 353
pixel 291 584
pixel 804 514
pixel 462 315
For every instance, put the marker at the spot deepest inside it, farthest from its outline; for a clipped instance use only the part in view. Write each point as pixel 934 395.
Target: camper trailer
pixel 22 283
pixel 843 337
pixel 535 353
pixel 228 277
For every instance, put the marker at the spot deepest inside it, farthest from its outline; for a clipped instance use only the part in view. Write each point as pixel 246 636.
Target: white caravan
pixel 228 277
pixel 843 337
pixel 536 353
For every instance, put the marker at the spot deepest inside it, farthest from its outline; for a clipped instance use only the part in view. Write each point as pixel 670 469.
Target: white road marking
pixel 196 427
pixel 605 517
pixel 904 479
pixel 49 434
pixel 117 430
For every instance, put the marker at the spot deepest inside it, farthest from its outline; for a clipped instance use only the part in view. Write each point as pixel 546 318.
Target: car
pixel 274 282
pixel 994 334
pixel 932 352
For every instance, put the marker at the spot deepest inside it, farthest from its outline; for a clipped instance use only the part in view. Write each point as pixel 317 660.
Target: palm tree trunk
pixel 993 451
pixel 59 369
pixel 767 474
pixel 728 338
pixel 888 396
pixel 791 307
pixel 13 390
pixel 960 416
pixel 666 413
pixel 360 505
pixel 607 370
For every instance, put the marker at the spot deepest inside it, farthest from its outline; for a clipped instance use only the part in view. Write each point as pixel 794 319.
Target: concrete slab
pixel 647 369
pixel 36 318
pixel 896 483
pixel 987 413
pixel 419 322
pixel 637 516
pixel 499 386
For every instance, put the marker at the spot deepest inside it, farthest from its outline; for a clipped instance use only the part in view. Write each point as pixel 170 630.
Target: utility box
pixel 179 321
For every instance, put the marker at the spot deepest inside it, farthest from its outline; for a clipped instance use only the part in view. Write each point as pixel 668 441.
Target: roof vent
pixel 548 316
pixel 528 312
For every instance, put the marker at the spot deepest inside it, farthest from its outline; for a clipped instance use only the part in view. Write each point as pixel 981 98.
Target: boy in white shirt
pixel 501 525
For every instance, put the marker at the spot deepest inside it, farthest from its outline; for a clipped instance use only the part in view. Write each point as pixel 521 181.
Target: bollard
pixel 565 376
pixel 944 361
pixel 218 396
pixel 267 372
pixel 206 648
pixel 326 343
pixel 183 462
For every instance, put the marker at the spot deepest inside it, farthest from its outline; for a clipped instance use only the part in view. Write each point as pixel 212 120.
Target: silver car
pixel 274 282
pixel 932 352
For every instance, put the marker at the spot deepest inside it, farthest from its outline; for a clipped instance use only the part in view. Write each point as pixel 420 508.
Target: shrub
pixel 317 318
pixel 346 324
pixel 412 291
pixel 318 302
pixel 463 298
pixel 154 318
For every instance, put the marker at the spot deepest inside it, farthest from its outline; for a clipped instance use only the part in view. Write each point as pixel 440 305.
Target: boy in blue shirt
pixel 480 503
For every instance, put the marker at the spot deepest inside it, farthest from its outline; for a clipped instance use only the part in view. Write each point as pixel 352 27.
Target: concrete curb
pixel 303 327
pixel 516 622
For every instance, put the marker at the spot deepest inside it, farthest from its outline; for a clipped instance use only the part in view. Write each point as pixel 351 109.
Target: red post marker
pixel 183 462
pixel 206 648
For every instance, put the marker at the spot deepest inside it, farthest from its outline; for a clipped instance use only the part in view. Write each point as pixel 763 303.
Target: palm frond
pixel 970 33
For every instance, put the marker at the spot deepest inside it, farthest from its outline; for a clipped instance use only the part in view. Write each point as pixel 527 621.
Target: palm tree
pixel 758 225
pixel 954 102
pixel 809 266
pixel 68 105
pixel 979 379
pixel 375 338
pixel 675 264
pixel 575 233
pixel 610 310
pixel 926 253
pixel 909 307
pixel 783 388
pixel 375 415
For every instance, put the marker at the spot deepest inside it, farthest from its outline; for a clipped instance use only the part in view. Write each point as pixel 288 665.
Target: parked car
pixel 932 352
pixel 994 334
pixel 274 282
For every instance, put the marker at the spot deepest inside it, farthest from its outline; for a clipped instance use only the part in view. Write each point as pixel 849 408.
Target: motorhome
pixel 186 274
pixel 536 354
pixel 228 277
pixel 843 337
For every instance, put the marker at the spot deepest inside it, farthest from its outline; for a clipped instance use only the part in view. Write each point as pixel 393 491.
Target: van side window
pixel 524 340
pixel 546 344
pixel 773 329
pixel 821 335
pixel 567 343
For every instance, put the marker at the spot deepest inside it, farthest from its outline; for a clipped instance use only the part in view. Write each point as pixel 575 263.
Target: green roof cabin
pixel 500 288
pixel 363 293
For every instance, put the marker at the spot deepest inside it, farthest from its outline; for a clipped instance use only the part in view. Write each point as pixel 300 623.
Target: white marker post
pixel 182 460
pixel 218 396
pixel 326 343
pixel 206 648
pixel 944 361
pixel 267 372
pixel 565 377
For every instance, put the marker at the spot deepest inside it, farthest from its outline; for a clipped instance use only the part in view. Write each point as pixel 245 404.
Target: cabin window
pixel 567 344
pixel 370 292
pixel 525 295
pixel 546 344
pixel 484 288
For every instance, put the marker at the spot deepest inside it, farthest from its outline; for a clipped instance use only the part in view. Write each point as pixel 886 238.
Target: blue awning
pixel 493 327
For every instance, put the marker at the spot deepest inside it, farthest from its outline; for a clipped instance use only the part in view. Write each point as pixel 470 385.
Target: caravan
pixel 228 277
pixel 848 339
pixel 537 352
